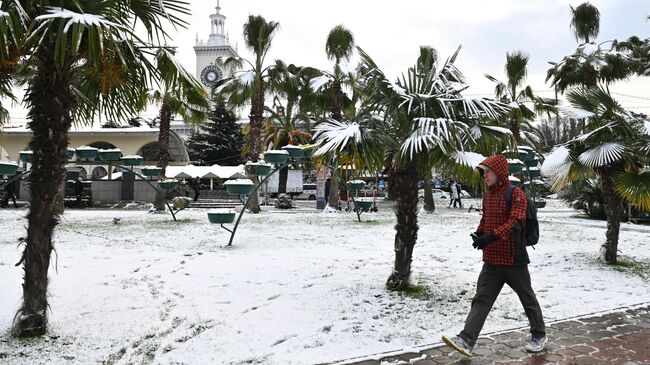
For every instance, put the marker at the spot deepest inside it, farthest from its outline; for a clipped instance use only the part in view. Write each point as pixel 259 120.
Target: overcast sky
pixel 392 31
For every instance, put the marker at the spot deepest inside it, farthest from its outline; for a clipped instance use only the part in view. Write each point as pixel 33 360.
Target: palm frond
pixel 258 34
pixel 429 133
pixel 351 140
pixel 634 187
pixel 585 22
pixel 236 63
pixel 333 135
pixel 556 160
pixel 602 155
pixel 319 82
pixel 340 44
pixel 573 112
pixel 516 70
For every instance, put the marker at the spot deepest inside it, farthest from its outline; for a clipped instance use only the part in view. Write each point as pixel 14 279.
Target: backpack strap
pixel 508 194
pixel 509 197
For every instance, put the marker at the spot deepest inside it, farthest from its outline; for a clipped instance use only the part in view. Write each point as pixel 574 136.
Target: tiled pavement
pixel 622 337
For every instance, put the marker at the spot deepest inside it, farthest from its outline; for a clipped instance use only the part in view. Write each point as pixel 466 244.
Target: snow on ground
pixel 298 287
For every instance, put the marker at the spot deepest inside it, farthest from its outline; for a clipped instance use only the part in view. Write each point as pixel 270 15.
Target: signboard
pixel 320 188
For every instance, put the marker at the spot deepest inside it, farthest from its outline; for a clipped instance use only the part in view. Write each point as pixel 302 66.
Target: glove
pixel 476 235
pixel 484 240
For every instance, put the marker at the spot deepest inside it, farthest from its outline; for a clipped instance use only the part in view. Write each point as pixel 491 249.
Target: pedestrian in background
pixel 10 193
pixel 196 186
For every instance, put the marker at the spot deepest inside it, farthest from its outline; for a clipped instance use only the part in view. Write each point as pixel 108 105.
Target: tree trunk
pixel 165 115
pixel 254 139
pixel 614 211
pixel 572 129
pixel 49 99
pixel 336 97
pixel 282 180
pixel 429 204
pixel 514 128
pixel 406 234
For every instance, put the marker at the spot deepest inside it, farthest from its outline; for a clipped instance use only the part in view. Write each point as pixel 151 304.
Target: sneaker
pixel 459 344
pixel 536 344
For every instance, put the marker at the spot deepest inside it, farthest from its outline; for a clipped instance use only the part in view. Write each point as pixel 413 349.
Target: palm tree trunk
pixel 50 100
pixel 429 204
pixel 254 140
pixel 163 137
pixel 282 180
pixel 406 235
pixel 337 96
pixel 514 128
pixel 614 211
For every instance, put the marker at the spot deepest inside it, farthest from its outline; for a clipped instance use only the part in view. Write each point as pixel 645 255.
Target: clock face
pixel 210 75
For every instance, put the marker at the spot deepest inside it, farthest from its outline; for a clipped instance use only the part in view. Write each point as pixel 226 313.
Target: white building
pixel 207 69
pixel 207 52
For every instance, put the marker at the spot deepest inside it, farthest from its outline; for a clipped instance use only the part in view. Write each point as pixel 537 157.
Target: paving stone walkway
pixel 618 338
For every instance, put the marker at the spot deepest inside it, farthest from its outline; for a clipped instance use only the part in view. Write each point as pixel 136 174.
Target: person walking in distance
pixel 78 191
pixel 453 194
pixel 196 186
pixel 459 194
pixel 10 193
pixel 505 260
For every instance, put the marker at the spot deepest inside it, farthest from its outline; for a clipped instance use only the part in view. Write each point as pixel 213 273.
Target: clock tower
pixel 207 52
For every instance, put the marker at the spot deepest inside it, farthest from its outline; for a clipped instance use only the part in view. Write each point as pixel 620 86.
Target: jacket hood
pixel 498 164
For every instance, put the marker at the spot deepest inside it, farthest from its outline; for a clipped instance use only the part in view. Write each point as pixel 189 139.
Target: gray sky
pixel 392 31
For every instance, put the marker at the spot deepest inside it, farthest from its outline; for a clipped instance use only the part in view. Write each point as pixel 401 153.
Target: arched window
pixel 99 172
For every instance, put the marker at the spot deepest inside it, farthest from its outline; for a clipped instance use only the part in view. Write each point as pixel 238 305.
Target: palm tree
pixel 289 124
pixel 179 93
pixel 10 34
pixel 579 69
pixel 521 98
pixel 80 59
pixel 421 121
pixel 338 46
pixel 616 150
pixel 250 86
pixel 585 22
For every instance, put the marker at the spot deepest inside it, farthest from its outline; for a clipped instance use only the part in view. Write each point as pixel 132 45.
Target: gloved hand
pixel 476 235
pixel 481 242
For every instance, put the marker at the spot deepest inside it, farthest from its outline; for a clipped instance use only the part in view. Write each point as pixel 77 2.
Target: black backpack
pixel 531 230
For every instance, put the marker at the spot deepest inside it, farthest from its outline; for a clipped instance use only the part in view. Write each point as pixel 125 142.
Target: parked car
pixel 437 194
pixel 308 191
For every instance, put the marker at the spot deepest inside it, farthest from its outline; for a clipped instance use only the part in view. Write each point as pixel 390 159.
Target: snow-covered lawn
pixel 298 287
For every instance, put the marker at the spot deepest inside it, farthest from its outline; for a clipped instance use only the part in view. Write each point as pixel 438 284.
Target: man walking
pixel 196 186
pixel 10 193
pixel 453 194
pixel 459 192
pixel 505 260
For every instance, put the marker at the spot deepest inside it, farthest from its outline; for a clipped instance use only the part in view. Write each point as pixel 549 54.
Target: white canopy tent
pixel 203 172
pixel 206 172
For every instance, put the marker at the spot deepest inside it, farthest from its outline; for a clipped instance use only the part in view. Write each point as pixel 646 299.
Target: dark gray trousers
pixel 488 287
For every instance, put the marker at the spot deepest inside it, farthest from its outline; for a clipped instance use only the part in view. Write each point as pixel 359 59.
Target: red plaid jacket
pixel 508 248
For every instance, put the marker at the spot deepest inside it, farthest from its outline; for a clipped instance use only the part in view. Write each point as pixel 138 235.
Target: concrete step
pixel 215 204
